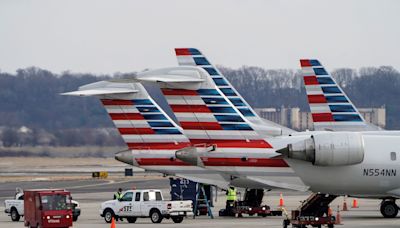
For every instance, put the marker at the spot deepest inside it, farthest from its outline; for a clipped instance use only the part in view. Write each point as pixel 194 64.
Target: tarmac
pixel 91 192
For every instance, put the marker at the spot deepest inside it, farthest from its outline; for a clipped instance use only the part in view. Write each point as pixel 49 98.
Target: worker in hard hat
pixel 231 198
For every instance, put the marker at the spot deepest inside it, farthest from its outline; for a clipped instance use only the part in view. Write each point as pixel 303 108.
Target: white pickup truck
pixel 15 207
pixel 144 204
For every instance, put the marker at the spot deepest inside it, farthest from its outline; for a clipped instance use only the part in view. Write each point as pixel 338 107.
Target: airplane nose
pixel 125 157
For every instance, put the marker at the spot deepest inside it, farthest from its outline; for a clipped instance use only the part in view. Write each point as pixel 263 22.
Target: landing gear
pixel 389 208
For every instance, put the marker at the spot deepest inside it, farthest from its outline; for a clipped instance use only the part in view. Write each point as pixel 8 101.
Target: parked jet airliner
pixel 208 116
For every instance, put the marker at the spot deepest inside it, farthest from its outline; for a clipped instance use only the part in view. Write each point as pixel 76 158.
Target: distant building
pixel 298 120
pixel 376 116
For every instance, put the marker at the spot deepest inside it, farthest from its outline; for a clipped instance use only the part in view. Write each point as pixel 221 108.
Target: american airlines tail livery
pixel 221 138
pixel 330 107
pixel 226 151
pixel 356 159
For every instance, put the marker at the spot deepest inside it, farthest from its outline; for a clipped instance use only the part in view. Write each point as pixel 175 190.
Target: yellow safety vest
pixel 231 194
pixel 118 195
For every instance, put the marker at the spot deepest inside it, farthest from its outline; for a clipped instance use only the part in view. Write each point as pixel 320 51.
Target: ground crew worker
pixel 118 195
pixel 230 200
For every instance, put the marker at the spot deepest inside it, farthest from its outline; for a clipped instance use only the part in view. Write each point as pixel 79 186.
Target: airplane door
pixel 136 205
pixel 125 204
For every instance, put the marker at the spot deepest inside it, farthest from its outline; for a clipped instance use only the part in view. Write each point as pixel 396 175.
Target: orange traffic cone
pixel 281 203
pixel 330 212
pixel 345 205
pixel 112 223
pixel 338 217
pixel 355 204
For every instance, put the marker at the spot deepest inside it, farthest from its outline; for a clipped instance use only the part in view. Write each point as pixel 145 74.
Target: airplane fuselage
pixel 377 176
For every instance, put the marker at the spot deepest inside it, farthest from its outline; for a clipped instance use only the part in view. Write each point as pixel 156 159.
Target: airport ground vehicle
pixel 15 207
pixel 251 205
pixel 314 211
pixel 47 208
pixel 144 204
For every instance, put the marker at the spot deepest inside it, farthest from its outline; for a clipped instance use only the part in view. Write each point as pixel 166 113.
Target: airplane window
pixel 393 156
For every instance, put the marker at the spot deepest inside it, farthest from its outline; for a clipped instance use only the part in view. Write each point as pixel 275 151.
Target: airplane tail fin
pixel 330 107
pixel 193 57
pixel 143 125
pixel 204 112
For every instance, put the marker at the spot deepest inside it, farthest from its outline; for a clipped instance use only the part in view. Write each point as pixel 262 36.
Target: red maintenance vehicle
pixel 47 208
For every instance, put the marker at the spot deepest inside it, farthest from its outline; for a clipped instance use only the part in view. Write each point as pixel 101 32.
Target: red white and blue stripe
pixel 143 125
pixel 154 137
pixel 193 57
pixel 329 105
pixel 206 116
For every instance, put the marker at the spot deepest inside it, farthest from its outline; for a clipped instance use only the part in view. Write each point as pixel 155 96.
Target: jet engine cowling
pixel 329 149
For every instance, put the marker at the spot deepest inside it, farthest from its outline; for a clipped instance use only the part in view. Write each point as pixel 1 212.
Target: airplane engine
pixel 329 149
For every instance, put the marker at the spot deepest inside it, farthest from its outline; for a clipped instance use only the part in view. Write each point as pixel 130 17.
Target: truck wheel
pixel 108 215
pixel 177 219
pixel 14 215
pixel 131 219
pixel 156 216
pixel 74 218
pixel 389 209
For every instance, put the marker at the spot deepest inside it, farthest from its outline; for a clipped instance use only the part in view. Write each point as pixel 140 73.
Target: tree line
pixel 30 97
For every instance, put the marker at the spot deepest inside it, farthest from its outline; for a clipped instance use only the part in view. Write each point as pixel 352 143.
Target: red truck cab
pixel 47 208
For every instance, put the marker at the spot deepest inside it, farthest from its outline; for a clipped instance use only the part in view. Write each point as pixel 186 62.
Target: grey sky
pixel 126 35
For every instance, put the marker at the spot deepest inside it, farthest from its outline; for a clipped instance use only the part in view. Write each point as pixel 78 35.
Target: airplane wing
pixel 275 184
pixel 203 179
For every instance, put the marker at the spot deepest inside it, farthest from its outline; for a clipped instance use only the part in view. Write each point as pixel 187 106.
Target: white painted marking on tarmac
pixel 100 184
